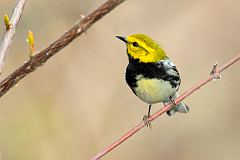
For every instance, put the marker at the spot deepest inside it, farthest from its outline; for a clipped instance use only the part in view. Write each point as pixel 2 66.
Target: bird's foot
pixel 214 73
pixel 147 121
pixel 172 110
pixel 173 101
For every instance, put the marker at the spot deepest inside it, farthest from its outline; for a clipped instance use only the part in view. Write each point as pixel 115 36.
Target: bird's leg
pixel 146 117
pixel 149 110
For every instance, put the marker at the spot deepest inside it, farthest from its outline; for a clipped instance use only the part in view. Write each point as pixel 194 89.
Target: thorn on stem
pixel 82 16
pixel 7 22
pixel 214 72
pixel 82 27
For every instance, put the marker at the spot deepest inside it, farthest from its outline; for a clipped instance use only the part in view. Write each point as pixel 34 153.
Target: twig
pixel 215 74
pixel 10 31
pixel 40 58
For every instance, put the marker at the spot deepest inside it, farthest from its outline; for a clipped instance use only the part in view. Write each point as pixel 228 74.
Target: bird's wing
pixel 171 72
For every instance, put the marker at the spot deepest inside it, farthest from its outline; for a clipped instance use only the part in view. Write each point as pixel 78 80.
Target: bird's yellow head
pixel 143 48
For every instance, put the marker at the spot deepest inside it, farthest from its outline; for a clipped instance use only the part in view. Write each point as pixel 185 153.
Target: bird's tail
pixel 180 107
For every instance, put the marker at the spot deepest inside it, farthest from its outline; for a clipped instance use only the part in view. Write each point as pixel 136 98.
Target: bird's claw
pixel 214 72
pixel 174 103
pixel 147 121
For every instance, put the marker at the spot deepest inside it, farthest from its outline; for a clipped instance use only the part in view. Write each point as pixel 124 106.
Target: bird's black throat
pixel 148 70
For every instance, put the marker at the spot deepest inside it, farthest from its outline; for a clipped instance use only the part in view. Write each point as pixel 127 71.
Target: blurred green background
pixel 78 102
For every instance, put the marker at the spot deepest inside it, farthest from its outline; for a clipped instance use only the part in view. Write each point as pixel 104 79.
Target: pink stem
pixel 165 109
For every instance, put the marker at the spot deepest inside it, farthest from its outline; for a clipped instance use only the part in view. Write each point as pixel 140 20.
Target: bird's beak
pixel 124 39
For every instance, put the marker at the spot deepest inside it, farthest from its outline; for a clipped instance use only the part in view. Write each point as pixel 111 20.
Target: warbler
pixel 150 74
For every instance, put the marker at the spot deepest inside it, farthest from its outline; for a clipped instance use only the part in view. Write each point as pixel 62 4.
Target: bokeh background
pixel 78 102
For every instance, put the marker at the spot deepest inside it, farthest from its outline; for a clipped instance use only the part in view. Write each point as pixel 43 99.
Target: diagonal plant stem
pixel 40 58
pixel 215 74
pixel 8 35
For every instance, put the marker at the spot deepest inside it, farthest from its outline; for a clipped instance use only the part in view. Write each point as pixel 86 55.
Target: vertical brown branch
pixel 9 33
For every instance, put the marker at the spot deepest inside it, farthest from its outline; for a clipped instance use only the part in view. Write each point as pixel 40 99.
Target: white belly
pixel 154 90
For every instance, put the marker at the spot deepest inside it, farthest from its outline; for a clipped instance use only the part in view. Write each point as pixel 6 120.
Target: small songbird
pixel 150 74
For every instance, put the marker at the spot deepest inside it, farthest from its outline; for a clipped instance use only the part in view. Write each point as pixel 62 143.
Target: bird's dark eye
pixel 135 44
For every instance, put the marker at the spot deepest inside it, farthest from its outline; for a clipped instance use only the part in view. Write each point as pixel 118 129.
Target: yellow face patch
pixel 144 48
